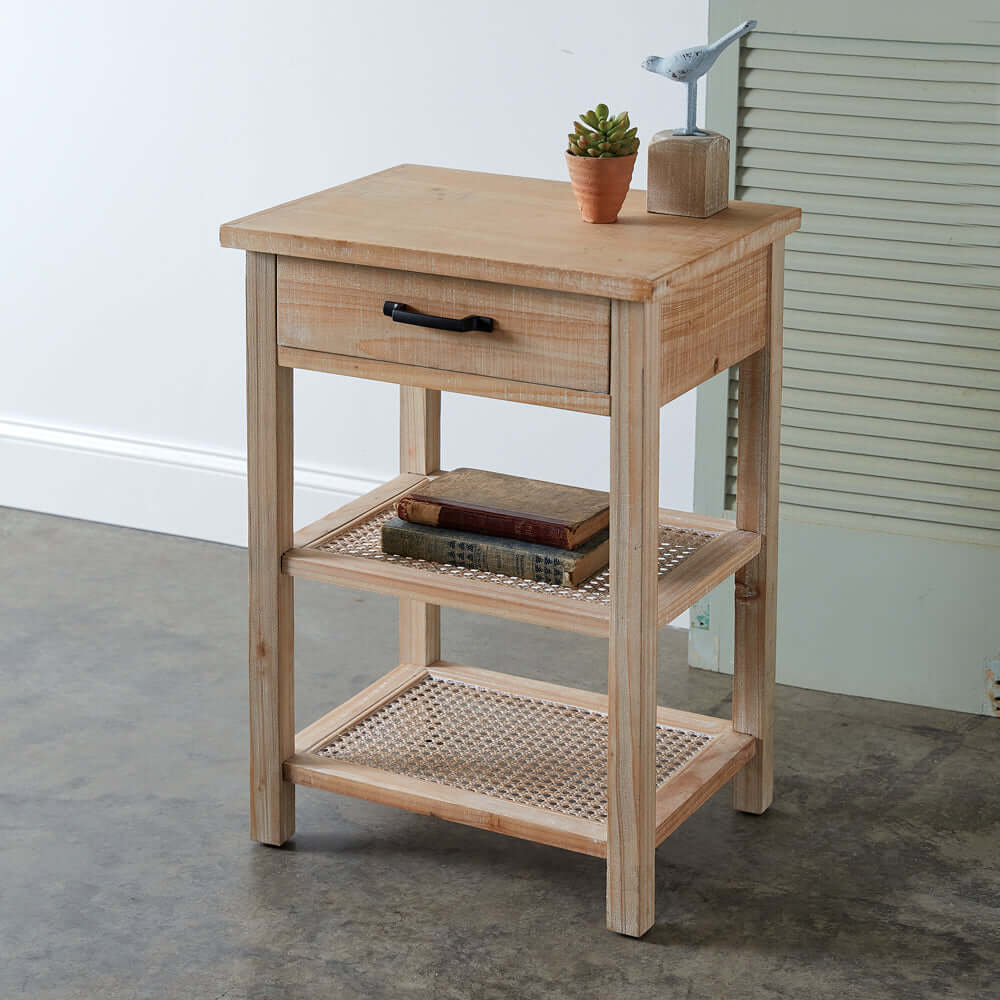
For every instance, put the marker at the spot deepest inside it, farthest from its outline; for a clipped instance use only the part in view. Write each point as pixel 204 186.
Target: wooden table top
pixel 513 230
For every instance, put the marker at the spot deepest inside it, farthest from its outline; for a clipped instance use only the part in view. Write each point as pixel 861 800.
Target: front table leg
pixel 269 471
pixel 635 426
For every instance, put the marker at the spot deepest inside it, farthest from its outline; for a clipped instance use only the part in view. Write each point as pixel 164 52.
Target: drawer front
pixel 545 337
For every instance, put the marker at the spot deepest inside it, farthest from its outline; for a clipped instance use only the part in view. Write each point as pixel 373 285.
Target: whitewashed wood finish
pixel 676 799
pixel 419 454
pixel 355 510
pixel 711 323
pixel 662 289
pixel 635 423
pixel 269 472
pixel 539 335
pixel 676 591
pixel 756 581
pixel 696 783
pixel 510 230
pixel 449 381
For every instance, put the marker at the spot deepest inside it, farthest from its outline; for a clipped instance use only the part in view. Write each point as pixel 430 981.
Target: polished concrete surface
pixel 126 872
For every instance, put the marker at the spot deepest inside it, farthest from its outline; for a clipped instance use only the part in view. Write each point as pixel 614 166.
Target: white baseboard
pixel 143 484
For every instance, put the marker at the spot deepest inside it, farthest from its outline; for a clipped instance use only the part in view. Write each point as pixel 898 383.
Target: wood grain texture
pixel 710 324
pixel 635 424
pixel 363 703
pixel 702 571
pixel 676 799
pixel 357 510
pixel 529 687
pixel 692 787
pixel 511 230
pixel 539 335
pixel 498 600
pixel 269 471
pixel 676 591
pixel 431 378
pixel 756 583
pixel 419 431
pixel 688 174
pixel 457 805
pixel 419 454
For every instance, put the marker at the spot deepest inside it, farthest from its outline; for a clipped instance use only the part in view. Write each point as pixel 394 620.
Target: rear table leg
pixel 419 452
pixel 756 584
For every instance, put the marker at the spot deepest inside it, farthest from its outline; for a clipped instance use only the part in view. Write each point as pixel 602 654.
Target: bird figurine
pixel 688 65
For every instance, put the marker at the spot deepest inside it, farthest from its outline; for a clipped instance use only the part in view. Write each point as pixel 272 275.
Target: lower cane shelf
pixel 503 753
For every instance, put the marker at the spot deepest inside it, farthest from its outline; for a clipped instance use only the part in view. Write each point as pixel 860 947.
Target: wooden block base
pixel 688 174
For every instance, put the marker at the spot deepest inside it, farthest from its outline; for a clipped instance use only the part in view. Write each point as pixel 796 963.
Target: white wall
pixel 133 130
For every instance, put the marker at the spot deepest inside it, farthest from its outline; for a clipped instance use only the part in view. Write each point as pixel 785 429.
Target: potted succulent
pixel 601 157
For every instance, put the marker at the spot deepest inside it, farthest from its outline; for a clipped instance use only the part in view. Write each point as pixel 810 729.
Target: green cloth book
pixel 510 556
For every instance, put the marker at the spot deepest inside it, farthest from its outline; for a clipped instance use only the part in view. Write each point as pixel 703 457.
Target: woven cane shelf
pixel 694 555
pixel 504 753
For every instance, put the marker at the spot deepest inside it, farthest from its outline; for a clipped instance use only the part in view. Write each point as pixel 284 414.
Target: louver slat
pixel 918 372
pixel 847 165
pixel 893 252
pixel 846 63
pixel 895 426
pixel 899 109
pixel 945 55
pixel 982 364
pixel 937 193
pixel 917 152
pixel 935 91
pixel 876 326
pixel 876 128
pixel 950 275
pixel 928 453
pixel 897 310
pixel 928 234
pixel 975 298
pixel 985 218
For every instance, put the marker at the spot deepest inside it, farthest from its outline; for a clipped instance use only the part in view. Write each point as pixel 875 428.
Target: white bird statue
pixel 688 65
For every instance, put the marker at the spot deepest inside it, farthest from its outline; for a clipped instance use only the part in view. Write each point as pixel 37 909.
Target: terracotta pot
pixel 600 184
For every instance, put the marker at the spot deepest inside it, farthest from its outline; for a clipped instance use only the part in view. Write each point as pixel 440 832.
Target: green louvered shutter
pixel 891 415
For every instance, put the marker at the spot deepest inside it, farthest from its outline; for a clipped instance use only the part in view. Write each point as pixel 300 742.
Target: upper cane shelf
pixel 512 230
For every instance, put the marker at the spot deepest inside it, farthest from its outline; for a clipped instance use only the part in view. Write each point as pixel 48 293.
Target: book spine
pixel 482 522
pixel 494 555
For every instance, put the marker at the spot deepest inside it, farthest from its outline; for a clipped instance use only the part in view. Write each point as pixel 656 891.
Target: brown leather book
pixel 491 503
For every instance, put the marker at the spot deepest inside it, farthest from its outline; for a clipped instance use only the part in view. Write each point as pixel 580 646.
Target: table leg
pixel 635 416
pixel 269 471
pixel 419 452
pixel 759 436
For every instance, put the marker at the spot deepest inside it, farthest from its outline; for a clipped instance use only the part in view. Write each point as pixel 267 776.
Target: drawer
pixel 546 337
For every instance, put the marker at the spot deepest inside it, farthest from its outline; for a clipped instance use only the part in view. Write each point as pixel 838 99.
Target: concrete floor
pixel 126 872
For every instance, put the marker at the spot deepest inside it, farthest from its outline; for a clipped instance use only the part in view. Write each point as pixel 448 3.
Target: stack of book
pixel 503 524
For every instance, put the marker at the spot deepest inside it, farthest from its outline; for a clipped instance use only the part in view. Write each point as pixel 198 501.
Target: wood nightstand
pixel 613 319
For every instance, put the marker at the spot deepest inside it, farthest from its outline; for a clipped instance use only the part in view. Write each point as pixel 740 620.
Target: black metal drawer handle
pixel 401 314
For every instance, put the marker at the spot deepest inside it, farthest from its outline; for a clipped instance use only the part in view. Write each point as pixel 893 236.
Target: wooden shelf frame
pixel 677 590
pixel 676 799
pixel 686 298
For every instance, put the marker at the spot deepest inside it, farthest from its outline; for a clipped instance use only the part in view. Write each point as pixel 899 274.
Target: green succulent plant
pixel 599 133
